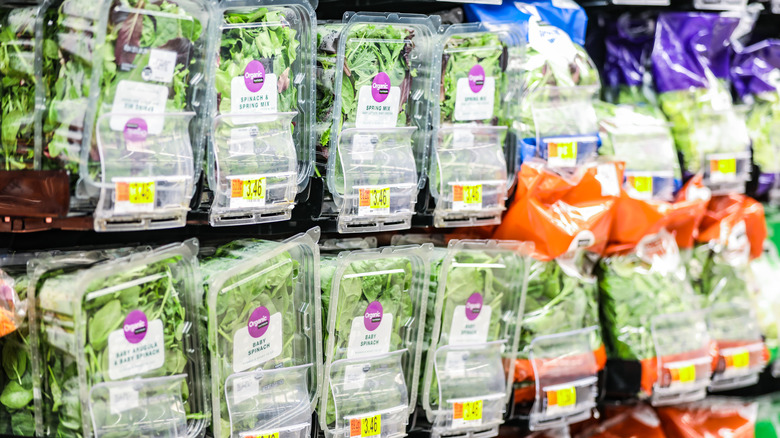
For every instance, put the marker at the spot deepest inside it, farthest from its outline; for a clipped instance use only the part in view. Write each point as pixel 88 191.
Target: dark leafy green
pixel 16 383
pixel 327 49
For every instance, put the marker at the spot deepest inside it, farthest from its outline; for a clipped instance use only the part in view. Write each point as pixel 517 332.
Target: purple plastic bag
pixel 686 45
pixel 755 68
pixel 629 41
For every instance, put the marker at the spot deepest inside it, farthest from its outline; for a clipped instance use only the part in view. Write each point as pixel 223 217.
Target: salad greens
pixel 272 284
pixel 386 280
pixel 763 124
pixel 327 49
pixel 16 381
pixel 154 289
pixel 275 45
pixel 719 277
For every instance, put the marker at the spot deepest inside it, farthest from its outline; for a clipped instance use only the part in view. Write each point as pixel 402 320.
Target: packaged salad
pixel 476 299
pixel 375 301
pixel 651 315
pixel 120 113
pixel 116 344
pixel 261 150
pixel 690 61
pixel 327 50
pixel 755 73
pixel 263 307
pixel 379 138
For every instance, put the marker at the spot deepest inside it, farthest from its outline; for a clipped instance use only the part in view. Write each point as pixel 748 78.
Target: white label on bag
pixel 363 147
pixel 475 96
pixel 242 100
pixel 470 331
pixel 370 333
pixel 122 398
pixel 355 376
pixel 130 356
pixel 139 98
pixel 245 388
pixel 160 67
pixel 258 342
pixel 378 103
pixel 607 176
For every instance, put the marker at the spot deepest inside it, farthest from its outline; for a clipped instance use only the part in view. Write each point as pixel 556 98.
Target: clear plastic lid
pixel 741 351
pixel 263 305
pixel 146 171
pixel 379 138
pixel 264 95
pixel 373 340
pixel 646 145
pixel 565 370
pixel 468 157
pixel 473 313
pixel 722 140
pixel 566 125
pixel 134 61
pixel 682 349
pixel 118 345
pixel 21 143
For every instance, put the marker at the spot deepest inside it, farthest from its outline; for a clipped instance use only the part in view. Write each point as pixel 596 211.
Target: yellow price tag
pixel 472 194
pixel 472 410
pixel 740 360
pixel 254 189
pixel 684 374
pixel 727 166
pixel 564 150
pixel 141 192
pixel 366 427
pixel 263 435
pixel 566 396
pixel 380 198
pixel 642 184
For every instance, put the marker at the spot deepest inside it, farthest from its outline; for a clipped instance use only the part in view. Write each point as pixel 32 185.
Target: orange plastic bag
pixel 709 418
pixel 725 212
pixel 639 421
pixel 551 210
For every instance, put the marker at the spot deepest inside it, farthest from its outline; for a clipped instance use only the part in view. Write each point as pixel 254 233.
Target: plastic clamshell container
pixel 374 337
pixel 142 66
pixel 120 344
pixel 147 177
pixel 565 370
pixel 264 102
pixel 379 147
pixel 682 348
pixel 741 350
pixel 263 306
pixel 469 173
pixel 723 143
pixel 565 145
pixel 479 298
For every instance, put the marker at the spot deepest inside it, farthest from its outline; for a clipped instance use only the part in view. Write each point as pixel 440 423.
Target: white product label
pixel 248 191
pixel 363 147
pixel 466 331
pixel 242 141
pixel 134 195
pixel 373 114
pixel 122 398
pixel 364 342
pixel 249 351
pixel 471 105
pixel 245 388
pixel 127 359
pixel 134 98
pixel 607 176
pixel 160 67
pixel 243 100
pixel 355 376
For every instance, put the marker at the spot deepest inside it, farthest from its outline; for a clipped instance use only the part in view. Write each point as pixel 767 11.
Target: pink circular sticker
pixel 136 130
pixel 380 87
pixel 136 326
pixel 254 76
pixel 373 316
pixel 476 78
pixel 258 322
pixel 473 306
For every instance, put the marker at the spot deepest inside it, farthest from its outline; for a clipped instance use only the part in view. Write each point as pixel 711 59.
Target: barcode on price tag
pixel 134 196
pixel 562 153
pixel 367 427
pixel 642 185
pixel 467 197
pixel 467 413
pixel 561 400
pixel 374 201
pixel 246 192
pixel 723 169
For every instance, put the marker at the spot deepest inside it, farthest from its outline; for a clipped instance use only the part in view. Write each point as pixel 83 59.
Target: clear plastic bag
pixel 265 357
